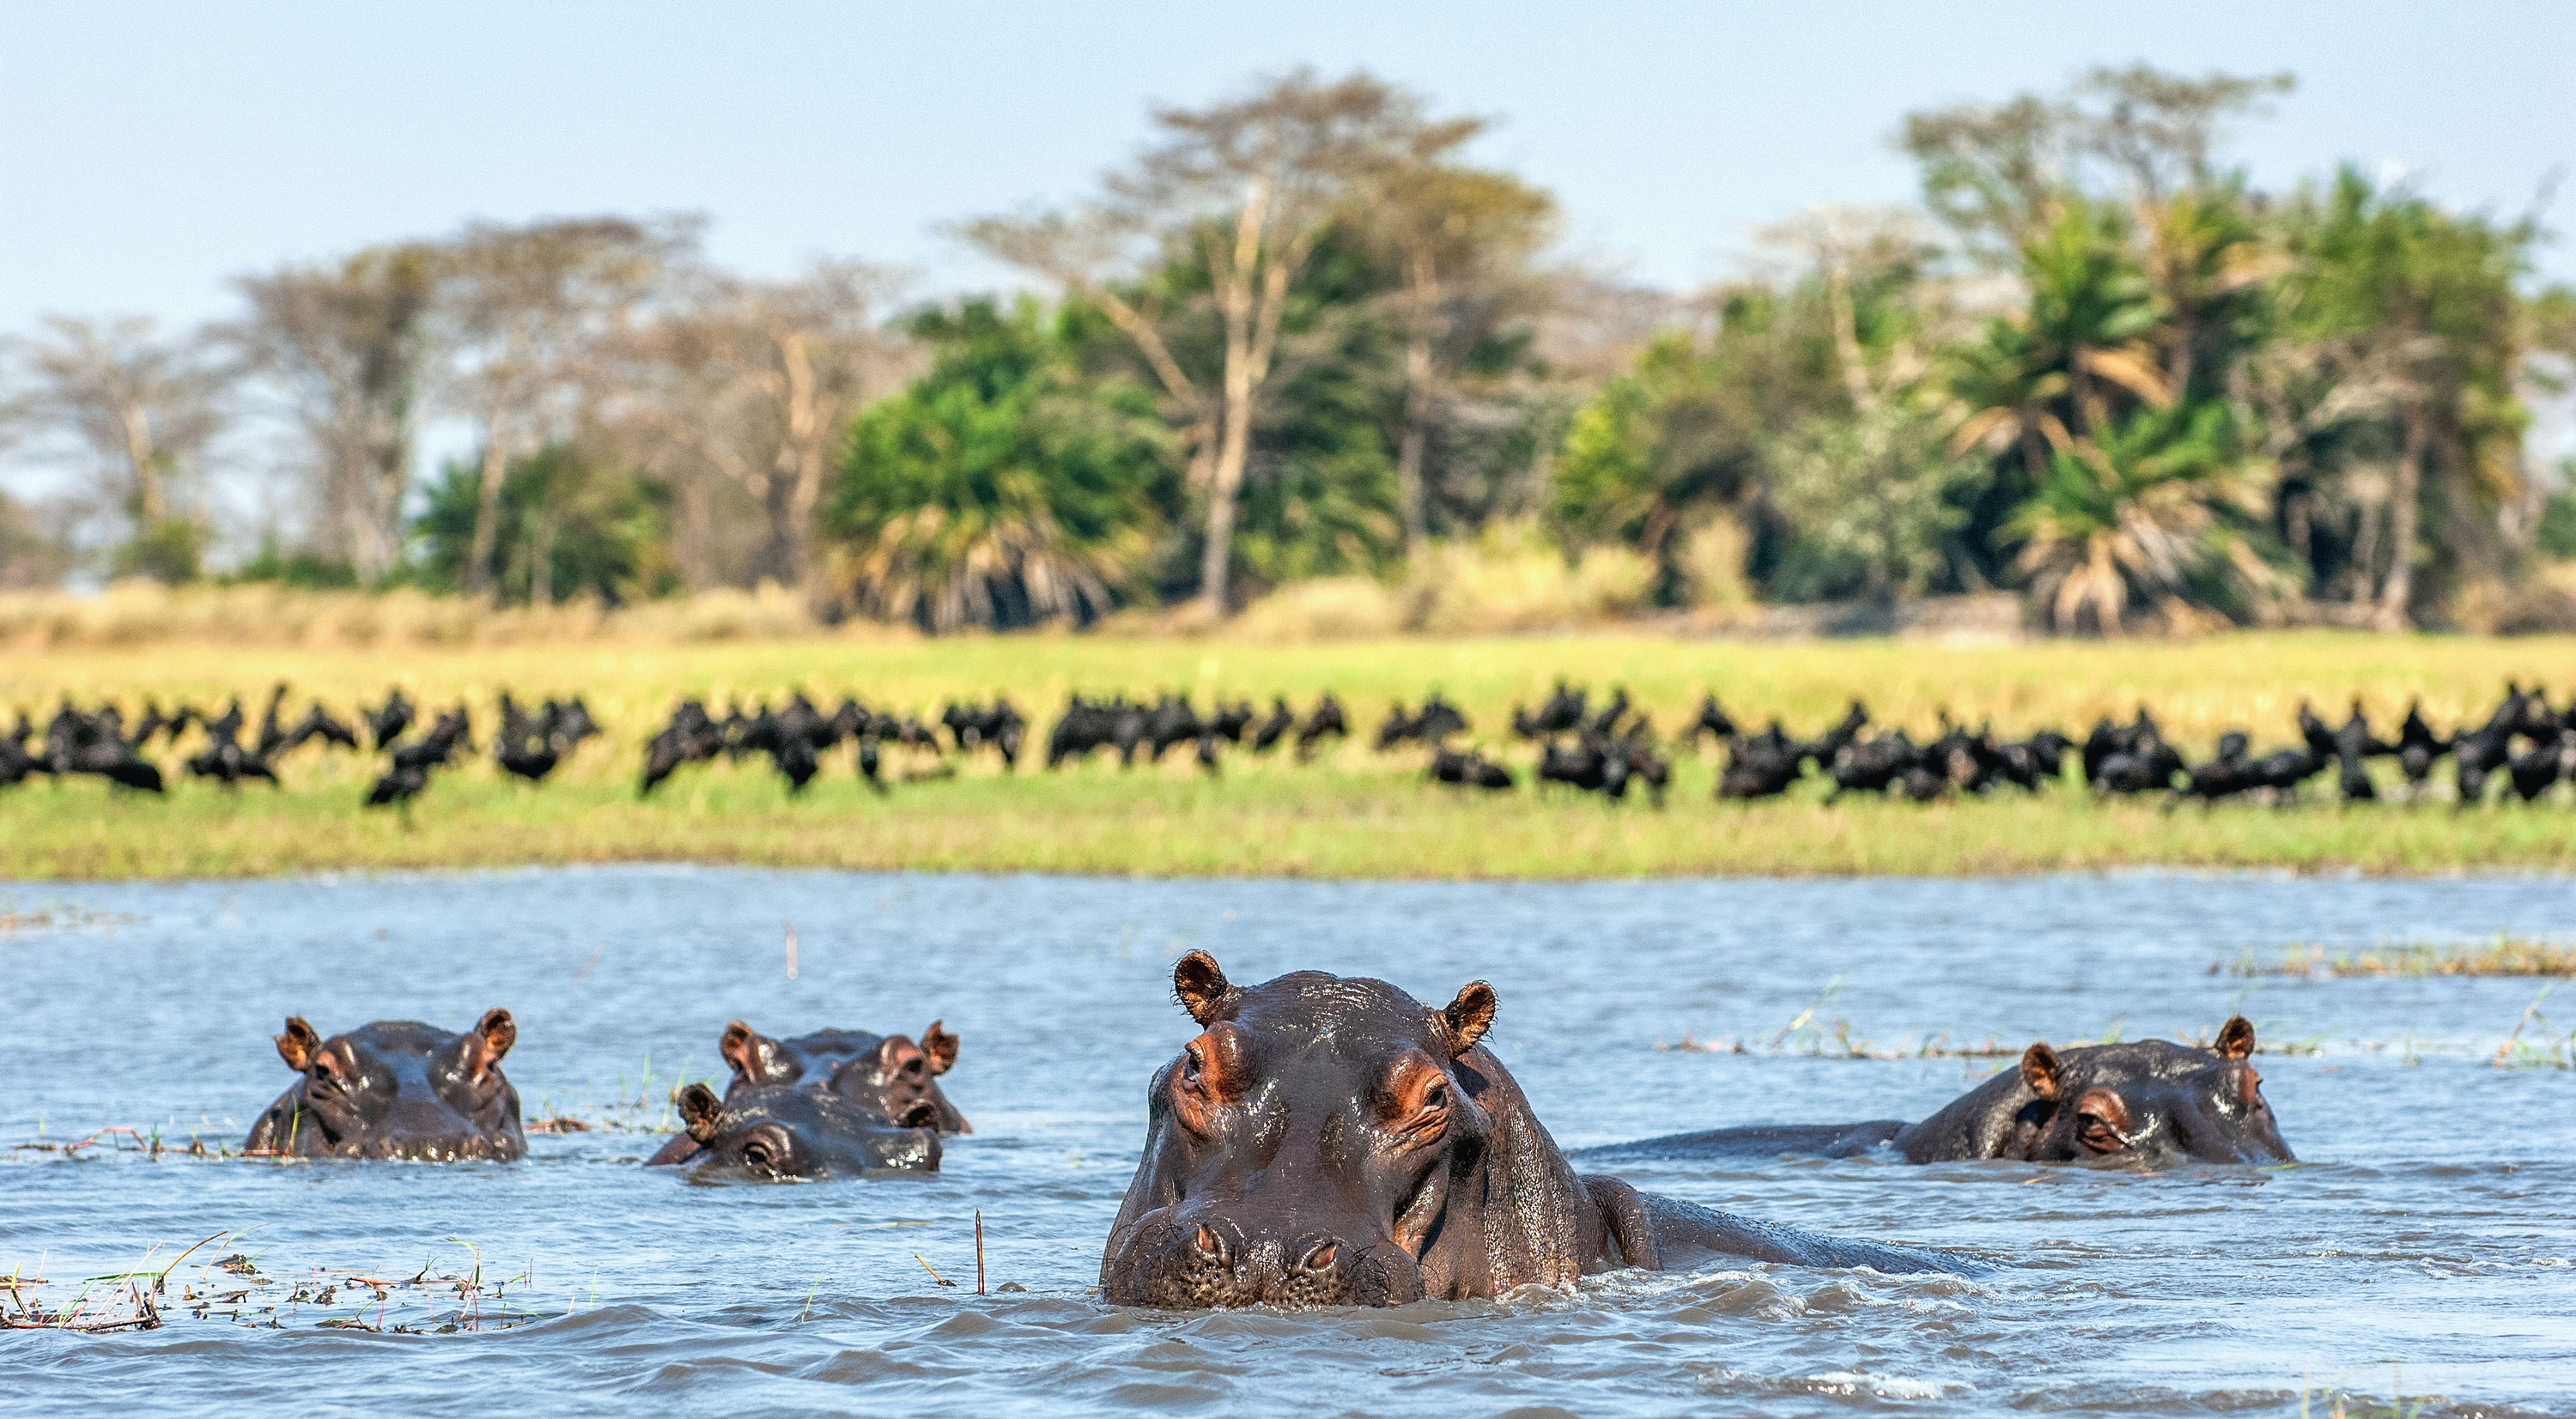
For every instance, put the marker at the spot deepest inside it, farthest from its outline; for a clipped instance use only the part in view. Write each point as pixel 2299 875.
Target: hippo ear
pixel 2039 1070
pixel 1468 1017
pixel 698 1110
pixel 2235 1038
pixel 297 1045
pixel 1201 985
pixel 940 1048
pixel 490 1039
pixel 739 1048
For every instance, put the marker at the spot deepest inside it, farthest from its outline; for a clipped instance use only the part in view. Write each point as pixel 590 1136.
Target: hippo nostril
pixel 1320 1257
pixel 1208 1244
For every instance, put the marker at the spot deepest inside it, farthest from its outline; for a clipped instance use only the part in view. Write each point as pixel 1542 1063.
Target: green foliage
pixel 2557 533
pixel 1876 501
pixel 2160 511
pixel 303 570
pixel 170 550
pixel 570 524
pixel 1006 485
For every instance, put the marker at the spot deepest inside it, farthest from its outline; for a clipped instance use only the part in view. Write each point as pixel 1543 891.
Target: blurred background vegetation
pixel 1301 364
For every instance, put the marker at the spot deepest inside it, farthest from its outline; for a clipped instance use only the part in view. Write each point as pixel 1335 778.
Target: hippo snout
pixel 1193 1260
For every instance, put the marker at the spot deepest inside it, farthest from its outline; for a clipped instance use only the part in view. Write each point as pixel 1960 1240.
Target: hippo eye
pixel 1435 1098
pixel 2096 1133
pixel 1191 1063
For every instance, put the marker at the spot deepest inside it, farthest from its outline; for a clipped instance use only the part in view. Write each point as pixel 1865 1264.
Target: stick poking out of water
pixel 934 1271
pixel 979 1251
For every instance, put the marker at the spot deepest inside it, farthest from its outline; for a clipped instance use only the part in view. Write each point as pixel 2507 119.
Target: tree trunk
pixel 695 539
pixel 150 502
pixel 2395 592
pixel 487 514
pixel 805 439
pixel 1234 420
pixel 1422 299
pixel 541 562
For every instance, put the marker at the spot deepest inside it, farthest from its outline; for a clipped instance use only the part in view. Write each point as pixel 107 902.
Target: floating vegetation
pixel 62 918
pixel 2503 956
pixel 228 1285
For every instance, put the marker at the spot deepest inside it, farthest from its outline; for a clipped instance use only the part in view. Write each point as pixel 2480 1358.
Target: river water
pixel 2425 1247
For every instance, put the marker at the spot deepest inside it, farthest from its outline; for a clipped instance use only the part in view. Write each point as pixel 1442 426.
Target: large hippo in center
pixel 395 1089
pixel 887 1080
pixel 1333 1141
pixel 2146 1104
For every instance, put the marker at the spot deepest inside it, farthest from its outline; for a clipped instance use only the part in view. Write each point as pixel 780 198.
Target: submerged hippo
pixel 778 1132
pixel 395 1089
pixel 888 1078
pixel 2146 1104
pixel 1333 1141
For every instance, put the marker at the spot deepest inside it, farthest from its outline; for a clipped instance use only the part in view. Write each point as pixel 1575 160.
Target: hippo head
pixel 778 1132
pixel 2150 1104
pixel 395 1089
pixel 1331 1141
pixel 889 1075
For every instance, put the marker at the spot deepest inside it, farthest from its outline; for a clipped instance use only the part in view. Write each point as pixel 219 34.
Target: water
pixel 2425 1248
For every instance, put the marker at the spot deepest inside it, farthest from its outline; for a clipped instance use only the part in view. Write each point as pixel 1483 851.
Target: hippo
pixel 395 1089
pixel 1333 1141
pixel 889 1078
pixel 2143 1104
pixel 779 1132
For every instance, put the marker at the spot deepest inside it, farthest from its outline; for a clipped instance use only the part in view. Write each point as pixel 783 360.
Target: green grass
pixel 2503 956
pixel 1353 813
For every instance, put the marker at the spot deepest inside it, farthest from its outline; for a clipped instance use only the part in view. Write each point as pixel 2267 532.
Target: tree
pixel 531 308
pixel 2400 344
pixel 1877 491
pixel 2161 508
pixel 756 383
pixel 1004 486
pixel 351 348
pixel 1462 240
pixel 570 521
pixel 142 412
pixel 1252 185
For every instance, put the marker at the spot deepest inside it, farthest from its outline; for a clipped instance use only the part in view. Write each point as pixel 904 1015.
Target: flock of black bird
pixel 1608 749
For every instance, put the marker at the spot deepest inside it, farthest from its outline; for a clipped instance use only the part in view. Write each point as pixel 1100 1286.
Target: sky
pixel 151 152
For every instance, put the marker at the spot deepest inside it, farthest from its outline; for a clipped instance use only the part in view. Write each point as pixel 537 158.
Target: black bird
pixel 1274 727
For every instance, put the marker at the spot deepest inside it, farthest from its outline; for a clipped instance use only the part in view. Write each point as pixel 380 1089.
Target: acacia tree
pixel 1253 184
pixel 351 348
pixel 533 309
pixel 756 382
pixel 142 412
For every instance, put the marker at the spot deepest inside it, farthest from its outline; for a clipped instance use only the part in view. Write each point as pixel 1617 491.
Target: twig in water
pixel 934 1271
pixel 2528 1011
pixel 979 1251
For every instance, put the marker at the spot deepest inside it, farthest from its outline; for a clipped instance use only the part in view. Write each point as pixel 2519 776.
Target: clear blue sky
pixel 150 151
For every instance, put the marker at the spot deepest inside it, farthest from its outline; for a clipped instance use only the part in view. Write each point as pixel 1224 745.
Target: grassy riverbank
pixel 1353 813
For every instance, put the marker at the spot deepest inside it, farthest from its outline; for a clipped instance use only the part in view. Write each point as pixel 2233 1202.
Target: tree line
pixel 1302 334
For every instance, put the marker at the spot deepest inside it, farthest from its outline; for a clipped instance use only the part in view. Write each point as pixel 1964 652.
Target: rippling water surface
pixel 2423 1248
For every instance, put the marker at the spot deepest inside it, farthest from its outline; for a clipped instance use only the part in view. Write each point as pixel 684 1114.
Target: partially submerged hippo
pixel 888 1078
pixel 395 1089
pixel 1333 1141
pixel 777 1132
pixel 2149 1104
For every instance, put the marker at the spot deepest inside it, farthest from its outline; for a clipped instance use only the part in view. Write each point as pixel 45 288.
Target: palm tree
pixel 1002 488
pixel 2157 509
pixel 2092 313
pixel 2007 394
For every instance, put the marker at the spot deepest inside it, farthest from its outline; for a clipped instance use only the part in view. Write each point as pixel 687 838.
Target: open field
pixel 1352 813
